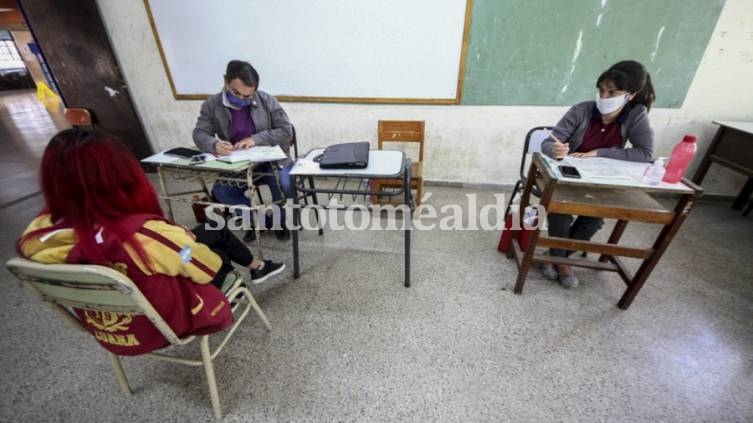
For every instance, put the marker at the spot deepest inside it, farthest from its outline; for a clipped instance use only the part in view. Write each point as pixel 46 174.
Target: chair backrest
pixel 534 138
pixel 402 131
pixel 86 286
pixel 294 143
pixel 78 117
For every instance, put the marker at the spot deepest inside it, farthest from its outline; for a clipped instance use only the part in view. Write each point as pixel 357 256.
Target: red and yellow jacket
pixel 176 281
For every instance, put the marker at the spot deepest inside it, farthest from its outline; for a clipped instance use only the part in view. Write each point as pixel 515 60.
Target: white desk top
pixel 740 126
pixel 382 163
pixel 611 173
pixel 164 160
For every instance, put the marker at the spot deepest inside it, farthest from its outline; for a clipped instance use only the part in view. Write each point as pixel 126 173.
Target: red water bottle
pixel 681 157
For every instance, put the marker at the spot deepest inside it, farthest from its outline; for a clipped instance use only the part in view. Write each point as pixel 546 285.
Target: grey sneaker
pixel 549 271
pixel 568 279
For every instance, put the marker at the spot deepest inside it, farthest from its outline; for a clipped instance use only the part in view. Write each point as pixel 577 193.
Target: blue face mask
pixel 237 101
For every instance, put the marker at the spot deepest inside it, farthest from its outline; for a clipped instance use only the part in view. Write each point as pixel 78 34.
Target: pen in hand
pixel 560 149
pixel 222 147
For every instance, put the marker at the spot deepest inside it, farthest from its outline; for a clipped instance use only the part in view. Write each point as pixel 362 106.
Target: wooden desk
pixel 732 147
pixel 611 201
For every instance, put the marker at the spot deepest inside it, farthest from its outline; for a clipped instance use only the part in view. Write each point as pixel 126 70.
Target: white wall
pixel 472 144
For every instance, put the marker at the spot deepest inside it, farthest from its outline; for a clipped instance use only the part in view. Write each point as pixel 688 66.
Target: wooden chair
pixel 102 289
pixel 403 131
pixel 78 117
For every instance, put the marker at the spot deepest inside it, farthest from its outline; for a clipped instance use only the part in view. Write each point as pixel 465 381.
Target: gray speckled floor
pixel 350 343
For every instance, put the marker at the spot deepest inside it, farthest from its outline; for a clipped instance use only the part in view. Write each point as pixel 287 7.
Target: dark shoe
pixel 269 269
pixel 283 234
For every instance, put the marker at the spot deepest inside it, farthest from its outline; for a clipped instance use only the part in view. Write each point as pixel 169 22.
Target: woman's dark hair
pixel 243 71
pixel 632 77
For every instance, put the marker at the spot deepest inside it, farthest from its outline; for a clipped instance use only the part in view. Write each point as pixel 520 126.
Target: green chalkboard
pixel 550 52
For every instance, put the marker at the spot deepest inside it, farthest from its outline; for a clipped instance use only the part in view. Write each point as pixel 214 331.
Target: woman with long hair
pixel 100 208
pixel 601 128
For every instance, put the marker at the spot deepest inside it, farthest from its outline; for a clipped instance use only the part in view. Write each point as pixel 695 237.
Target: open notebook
pixel 255 155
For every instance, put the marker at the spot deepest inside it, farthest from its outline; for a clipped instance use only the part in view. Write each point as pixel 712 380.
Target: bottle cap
pixel 689 138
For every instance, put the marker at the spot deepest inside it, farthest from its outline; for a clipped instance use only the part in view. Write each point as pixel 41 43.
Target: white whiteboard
pixel 341 49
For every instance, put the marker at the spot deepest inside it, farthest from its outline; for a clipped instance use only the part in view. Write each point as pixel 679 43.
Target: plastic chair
pixel 403 131
pixel 534 139
pixel 102 289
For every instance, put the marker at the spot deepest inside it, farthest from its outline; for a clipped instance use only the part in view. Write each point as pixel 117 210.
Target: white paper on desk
pixel 160 158
pixel 601 169
pixel 255 155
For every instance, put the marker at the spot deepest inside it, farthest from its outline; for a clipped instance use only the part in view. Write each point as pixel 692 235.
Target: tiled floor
pixel 350 343
pixel 25 129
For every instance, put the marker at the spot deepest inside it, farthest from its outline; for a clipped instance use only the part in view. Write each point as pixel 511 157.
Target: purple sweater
pixel 241 124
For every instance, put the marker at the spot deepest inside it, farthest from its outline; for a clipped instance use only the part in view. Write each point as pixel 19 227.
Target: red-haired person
pixel 100 208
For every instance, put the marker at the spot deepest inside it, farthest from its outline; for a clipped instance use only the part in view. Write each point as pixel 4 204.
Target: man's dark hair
pixel 243 71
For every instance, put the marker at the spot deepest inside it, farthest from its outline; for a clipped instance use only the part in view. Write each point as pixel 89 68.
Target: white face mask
pixel 611 104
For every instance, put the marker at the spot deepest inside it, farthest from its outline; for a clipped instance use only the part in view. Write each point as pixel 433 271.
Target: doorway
pixel 74 63
pixel 26 125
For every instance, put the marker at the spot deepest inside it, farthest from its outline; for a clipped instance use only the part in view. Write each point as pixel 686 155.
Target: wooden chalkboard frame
pixel 307 99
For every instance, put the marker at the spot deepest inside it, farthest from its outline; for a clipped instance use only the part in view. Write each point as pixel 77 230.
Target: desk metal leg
pixel 315 200
pixel 660 246
pixel 163 186
pixel 408 221
pixel 296 223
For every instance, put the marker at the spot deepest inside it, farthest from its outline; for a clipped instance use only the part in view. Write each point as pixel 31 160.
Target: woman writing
pixel 601 128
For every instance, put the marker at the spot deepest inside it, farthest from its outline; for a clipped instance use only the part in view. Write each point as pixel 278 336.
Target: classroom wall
pixel 469 144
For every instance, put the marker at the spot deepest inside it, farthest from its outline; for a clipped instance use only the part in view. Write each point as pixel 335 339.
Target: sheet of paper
pixel 612 172
pixel 601 169
pixel 255 155
pixel 160 158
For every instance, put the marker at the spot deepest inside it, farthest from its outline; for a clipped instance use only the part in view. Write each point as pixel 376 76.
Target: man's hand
pixel 244 143
pixel 222 148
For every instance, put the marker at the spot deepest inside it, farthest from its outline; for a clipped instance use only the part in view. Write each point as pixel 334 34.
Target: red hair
pixel 90 181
